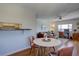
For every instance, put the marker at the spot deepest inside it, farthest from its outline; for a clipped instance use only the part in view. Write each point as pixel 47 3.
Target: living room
pixel 32 19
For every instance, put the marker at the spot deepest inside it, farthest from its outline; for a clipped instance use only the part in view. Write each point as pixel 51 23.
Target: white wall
pixel 41 22
pixel 17 14
pixel 46 22
pixel 11 41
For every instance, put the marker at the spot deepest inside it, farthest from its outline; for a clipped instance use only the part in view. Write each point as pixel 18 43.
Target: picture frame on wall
pixel 77 23
pixel 77 27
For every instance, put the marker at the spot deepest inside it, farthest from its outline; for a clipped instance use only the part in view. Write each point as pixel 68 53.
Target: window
pixel 65 26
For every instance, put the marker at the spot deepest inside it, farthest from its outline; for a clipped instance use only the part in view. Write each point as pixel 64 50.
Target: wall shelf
pixel 14 29
pixel 23 30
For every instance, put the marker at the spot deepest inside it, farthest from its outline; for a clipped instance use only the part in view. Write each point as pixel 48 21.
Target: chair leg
pixel 50 49
pixel 54 48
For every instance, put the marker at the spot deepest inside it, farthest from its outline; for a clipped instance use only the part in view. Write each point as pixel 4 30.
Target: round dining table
pixel 46 43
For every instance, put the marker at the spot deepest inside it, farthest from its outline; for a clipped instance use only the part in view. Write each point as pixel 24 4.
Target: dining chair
pixel 32 45
pixel 40 35
pixel 31 41
pixel 67 51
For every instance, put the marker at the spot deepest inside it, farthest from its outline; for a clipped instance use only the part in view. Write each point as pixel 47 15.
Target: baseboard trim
pixel 7 54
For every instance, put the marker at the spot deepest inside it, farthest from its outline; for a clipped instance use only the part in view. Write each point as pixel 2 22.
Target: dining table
pixel 44 43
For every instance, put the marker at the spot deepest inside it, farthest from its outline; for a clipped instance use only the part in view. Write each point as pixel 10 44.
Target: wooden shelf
pixel 14 29
pixel 23 29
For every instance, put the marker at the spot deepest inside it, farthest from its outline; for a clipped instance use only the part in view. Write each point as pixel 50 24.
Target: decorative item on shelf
pixel 9 26
pixel 4 26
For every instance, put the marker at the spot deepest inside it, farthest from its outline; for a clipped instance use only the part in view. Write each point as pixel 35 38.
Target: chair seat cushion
pixel 65 51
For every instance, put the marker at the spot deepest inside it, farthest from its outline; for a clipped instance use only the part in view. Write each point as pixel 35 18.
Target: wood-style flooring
pixel 34 52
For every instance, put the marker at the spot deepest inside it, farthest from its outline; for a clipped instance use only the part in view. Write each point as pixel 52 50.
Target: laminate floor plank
pixel 42 51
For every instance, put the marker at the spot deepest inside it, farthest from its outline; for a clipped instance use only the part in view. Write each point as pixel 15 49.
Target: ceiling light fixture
pixel 60 17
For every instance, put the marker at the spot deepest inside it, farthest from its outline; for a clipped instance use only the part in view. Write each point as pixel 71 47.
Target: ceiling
pixel 44 10
pixel 48 10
